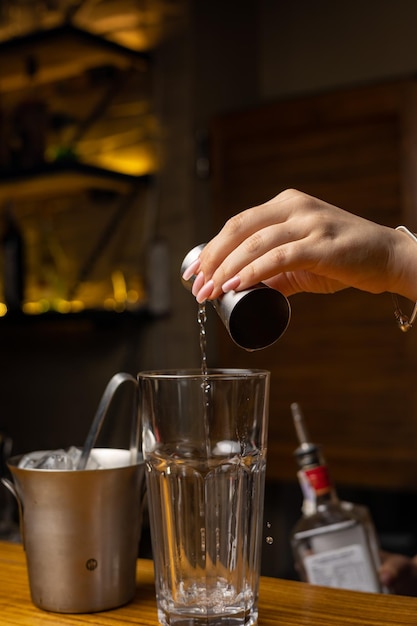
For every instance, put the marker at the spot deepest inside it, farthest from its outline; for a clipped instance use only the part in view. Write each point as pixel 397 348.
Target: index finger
pixel 245 238
pixel 236 230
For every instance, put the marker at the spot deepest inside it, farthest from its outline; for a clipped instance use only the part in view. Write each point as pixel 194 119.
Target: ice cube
pixel 49 459
pixel 56 460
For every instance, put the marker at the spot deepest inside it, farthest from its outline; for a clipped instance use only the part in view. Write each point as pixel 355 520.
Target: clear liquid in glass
pixel 207 511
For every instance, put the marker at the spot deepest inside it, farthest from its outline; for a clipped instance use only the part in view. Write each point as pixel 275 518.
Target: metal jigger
pixel 255 318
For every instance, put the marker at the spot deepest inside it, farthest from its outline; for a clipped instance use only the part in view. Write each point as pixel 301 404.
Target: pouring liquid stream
pixel 202 319
pixel 205 385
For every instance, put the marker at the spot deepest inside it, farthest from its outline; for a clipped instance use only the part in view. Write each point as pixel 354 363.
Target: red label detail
pixel 319 479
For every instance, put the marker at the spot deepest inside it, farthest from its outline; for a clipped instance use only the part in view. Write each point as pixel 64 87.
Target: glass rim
pixel 232 373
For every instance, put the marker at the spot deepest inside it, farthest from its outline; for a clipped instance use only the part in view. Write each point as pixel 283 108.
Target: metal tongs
pixel 100 415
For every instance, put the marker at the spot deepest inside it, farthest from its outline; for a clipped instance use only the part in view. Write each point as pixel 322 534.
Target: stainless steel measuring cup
pixel 255 318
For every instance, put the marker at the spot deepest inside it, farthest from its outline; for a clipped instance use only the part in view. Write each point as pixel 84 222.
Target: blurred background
pixel 129 132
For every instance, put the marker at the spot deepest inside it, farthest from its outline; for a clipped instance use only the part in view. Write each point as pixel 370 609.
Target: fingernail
pixel 231 284
pixel 191 270
pixel 205 291
pixel 197 284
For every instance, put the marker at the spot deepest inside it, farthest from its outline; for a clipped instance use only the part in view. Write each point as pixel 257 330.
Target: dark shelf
pixel 63 177
pixel 98 317
pixel 74 50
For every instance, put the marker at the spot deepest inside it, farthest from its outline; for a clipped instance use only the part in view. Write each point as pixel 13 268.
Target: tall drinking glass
pixel 204 444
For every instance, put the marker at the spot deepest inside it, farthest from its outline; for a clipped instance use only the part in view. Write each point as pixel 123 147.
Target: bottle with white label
pixel 334 543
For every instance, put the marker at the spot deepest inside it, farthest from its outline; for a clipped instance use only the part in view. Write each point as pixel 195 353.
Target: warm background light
pixel 85 215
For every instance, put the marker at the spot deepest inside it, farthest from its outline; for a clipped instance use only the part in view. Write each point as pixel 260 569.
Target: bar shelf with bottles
pixel 77 156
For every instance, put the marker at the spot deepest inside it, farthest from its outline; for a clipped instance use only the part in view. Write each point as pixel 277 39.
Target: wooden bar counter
pixel 282 603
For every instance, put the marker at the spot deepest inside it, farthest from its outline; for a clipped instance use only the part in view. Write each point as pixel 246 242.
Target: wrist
pixel 403 263
pixel 406 282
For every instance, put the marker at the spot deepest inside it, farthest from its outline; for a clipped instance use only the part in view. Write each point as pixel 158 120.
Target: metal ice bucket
pixel 81 531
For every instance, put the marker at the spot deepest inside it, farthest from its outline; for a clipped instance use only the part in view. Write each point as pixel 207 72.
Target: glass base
pixel 185 618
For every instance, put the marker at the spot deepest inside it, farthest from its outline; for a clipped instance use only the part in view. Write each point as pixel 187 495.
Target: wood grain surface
pixel 282 602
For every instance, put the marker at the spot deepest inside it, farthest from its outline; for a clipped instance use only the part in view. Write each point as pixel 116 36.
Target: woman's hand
pixel 295 242
pixel 398 573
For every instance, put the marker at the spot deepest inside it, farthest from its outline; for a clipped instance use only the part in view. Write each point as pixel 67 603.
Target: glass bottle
pixel 13 262
pixel 4 147
pixel 334 542
pixel 30 122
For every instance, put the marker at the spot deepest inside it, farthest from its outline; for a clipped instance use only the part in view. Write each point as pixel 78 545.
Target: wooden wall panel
pixel 342 358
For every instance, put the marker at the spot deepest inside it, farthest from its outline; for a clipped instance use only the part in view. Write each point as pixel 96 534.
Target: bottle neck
pixel 317 488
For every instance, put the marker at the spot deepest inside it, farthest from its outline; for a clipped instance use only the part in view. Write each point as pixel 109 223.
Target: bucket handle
pixel 11 487
pixel 100 415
